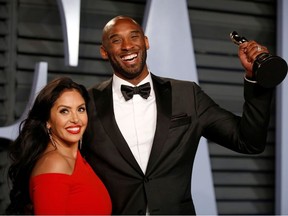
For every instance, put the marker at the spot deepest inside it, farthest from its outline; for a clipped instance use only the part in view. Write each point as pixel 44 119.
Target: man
pixel 143 148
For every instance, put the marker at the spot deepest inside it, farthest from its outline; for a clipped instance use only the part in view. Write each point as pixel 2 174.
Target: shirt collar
pixel 117 82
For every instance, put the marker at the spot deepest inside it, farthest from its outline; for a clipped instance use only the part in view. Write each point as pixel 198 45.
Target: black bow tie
pixel 142 90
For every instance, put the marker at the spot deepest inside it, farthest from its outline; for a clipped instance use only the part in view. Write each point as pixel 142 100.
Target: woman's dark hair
pixel 32 141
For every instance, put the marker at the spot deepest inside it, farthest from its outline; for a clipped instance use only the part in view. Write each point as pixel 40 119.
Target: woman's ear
pixel 103 52
pixel 48 126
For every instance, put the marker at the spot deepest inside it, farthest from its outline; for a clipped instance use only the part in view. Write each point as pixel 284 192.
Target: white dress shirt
pixel 136 119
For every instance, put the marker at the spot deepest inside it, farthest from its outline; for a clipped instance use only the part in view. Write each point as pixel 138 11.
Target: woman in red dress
pixel 48 172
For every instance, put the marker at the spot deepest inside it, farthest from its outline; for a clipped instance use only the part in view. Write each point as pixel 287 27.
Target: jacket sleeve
pixel 246 133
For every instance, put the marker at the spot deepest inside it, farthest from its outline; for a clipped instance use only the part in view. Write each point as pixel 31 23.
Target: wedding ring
pixel 259 48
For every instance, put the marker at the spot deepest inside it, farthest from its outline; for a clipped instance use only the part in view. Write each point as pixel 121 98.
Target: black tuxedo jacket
pixel 184 114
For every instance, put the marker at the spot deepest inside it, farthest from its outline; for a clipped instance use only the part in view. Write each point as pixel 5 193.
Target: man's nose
pixel 127 44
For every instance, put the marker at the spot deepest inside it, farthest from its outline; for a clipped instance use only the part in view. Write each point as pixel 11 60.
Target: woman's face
pixel 68 118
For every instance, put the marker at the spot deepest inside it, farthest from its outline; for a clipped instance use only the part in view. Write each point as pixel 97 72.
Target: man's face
pixel 125 45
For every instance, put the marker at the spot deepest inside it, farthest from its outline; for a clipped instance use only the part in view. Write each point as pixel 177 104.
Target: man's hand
pixel 248 51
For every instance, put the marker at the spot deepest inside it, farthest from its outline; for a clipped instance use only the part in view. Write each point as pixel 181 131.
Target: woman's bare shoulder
pixel 52 162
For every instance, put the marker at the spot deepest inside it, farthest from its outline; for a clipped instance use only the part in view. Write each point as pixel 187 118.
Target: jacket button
pixel 146 180
pixel 140 212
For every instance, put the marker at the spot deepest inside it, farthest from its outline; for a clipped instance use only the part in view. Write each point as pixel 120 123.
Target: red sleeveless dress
pixel 81 193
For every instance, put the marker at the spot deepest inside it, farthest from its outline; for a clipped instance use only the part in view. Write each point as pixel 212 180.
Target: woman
pixel 48 172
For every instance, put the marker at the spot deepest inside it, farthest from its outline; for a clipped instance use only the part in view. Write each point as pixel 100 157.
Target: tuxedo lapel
pixel 104 107
pixel 163 94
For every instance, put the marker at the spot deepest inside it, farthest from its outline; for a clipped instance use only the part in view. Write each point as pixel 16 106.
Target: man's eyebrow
pixel 112 36
pixel 136 31
pixel 131 32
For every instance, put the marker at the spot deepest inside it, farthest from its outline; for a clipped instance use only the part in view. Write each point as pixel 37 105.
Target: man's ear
pixel 147 42
pixel 103 52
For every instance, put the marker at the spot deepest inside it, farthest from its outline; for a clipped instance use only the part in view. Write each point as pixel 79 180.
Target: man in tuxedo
pixel 144 130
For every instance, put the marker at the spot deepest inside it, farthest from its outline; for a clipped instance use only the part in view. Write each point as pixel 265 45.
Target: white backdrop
pixel 281 196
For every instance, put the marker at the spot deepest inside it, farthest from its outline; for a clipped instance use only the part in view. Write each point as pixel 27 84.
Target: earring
pixel 80 143
pixel 51 138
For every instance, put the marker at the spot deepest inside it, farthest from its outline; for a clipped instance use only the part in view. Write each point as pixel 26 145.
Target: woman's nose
pixel 74 117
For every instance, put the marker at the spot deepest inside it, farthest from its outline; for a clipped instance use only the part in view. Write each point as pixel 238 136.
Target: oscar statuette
pixel 268 70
